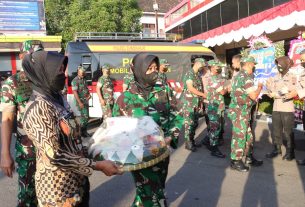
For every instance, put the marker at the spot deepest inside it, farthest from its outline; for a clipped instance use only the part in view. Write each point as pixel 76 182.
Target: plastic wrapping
pixel 134 143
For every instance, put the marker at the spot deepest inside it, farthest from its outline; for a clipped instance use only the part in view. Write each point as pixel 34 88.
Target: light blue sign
pixel 265 67
pixel 22 15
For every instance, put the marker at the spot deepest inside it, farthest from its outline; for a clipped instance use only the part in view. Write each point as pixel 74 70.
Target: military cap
pixel 215 63
pixel 31 46
pixel 81 68
pixel 164 62
pixel 106 67
pixel 249 59
pixel 201 60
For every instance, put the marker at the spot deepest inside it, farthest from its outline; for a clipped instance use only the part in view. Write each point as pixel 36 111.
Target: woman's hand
pixel 102 101
pixel 81 105
pixel 109 168
pixel 7 165
pixel 168 140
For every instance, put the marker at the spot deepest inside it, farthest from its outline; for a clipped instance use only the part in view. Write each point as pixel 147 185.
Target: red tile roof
pixel 164 5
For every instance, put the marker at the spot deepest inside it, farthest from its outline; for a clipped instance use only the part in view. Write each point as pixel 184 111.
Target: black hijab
pixel 144 82
pixel 43 70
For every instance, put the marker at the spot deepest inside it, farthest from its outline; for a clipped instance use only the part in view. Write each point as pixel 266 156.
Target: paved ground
pixel 197 179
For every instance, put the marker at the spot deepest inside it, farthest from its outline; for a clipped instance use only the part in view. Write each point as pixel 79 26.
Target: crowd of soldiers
pixel 203 94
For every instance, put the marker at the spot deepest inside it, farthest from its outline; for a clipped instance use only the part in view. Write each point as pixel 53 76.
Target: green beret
pixel 81 68
pixel 31 46
pixel 215 63
pixel 106 67
pixel 249 59
pixel 163 62
pixel 201 60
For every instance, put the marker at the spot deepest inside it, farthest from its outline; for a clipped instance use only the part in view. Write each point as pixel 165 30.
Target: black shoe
pixel 206 141
pixel 239 166
pixel 198 145
pixel 190 146
pixel 216 152
pixel 221 141
pixel 301 162
pixel 277 151
pixel 289 155
pixel 253 162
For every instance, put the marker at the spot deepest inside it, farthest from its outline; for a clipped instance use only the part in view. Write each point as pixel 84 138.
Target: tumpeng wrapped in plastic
pixel 134 143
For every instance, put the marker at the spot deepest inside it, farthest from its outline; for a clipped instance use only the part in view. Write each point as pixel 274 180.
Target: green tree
pixel 66 17
pixel 56 11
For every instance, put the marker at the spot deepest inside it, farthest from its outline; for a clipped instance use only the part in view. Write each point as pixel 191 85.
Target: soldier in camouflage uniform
pixel 127 80
pixel 82 96
pixel 16 91
pixel 104 91
pixel 216 106
pixel 243 96
pixel 192 98
pixel 142 99
pixel 163 69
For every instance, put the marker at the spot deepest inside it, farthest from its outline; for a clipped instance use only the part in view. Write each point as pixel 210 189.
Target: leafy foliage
pixel 66 17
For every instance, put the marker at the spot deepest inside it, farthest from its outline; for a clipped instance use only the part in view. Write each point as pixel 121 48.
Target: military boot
pixel 206 141
pixel 216 152
pixel 190 146
pixel 250 160
pixel 198 144
pixel 277 151
pixel 289 154
pixel 239 166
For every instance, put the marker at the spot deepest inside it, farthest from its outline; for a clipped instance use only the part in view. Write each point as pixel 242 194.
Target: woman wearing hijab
pixel 145 98
pixel 62 168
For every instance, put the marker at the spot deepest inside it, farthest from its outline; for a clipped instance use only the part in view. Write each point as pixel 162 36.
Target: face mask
pixel 151 78
pixel 58 83
pixel 303 64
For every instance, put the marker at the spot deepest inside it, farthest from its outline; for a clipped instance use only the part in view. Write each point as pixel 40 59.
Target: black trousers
pixel 86 195
pixel 283 124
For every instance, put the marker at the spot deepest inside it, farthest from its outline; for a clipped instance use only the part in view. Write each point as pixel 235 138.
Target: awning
pixel 282 17
pixel 12 43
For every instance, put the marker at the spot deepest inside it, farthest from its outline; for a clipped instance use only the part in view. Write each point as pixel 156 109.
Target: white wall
pixel 149 18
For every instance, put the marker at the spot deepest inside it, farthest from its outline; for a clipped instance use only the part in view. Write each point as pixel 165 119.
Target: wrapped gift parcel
pixel 134 143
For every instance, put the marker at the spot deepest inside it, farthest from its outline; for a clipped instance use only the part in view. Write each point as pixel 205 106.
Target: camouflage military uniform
pixel 191 103
pixel 80 86
pixel 216 107
pixel 239 113
pixel 16 91
pixel 106 87
pixel 128 79
pixel 150 182
pixel 162 78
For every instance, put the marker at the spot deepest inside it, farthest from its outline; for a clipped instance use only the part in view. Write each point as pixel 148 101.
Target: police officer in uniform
pixel 282 88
